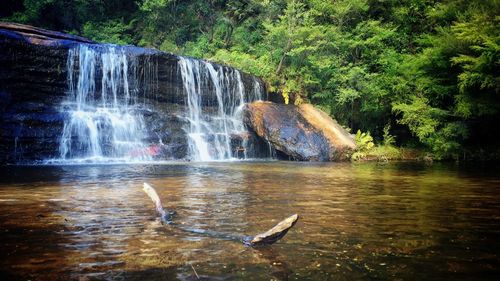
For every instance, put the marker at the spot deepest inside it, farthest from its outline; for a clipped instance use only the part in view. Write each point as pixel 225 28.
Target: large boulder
pixel 301 132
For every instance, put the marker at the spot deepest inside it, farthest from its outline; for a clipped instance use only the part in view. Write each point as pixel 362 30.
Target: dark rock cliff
pixel 33 83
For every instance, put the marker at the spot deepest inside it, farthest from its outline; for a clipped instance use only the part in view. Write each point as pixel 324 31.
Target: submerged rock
pixel 301 132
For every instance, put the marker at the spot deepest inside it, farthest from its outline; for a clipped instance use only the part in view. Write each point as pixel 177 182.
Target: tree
pixel 426 69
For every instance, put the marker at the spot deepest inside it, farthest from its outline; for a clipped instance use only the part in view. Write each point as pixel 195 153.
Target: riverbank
pixel 385 153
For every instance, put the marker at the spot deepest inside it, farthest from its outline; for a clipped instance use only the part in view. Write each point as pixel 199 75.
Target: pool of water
pixel 397 221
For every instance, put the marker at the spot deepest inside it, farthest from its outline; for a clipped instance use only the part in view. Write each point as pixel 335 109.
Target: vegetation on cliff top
pixel 426 70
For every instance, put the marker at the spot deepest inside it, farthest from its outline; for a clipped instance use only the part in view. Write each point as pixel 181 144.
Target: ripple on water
pixel 358 222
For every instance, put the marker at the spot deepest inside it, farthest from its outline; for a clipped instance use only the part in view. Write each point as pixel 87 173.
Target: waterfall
pixel 216 132
pixel 103 119
pixel 109 93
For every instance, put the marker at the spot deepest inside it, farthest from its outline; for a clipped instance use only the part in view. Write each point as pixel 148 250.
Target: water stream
pixel 104 109
pixel 210 133
pixel 104 122
pixel 398 221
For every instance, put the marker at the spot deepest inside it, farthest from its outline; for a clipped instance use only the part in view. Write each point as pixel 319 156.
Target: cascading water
pixel 211 132
pixel 103 122
pixel 109 91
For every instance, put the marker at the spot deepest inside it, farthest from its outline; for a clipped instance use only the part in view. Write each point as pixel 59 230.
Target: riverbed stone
pixel 301 132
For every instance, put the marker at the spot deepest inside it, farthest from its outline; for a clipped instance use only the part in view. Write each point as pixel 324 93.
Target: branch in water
pixel 266 238
pixel 150 191
pixel 274 234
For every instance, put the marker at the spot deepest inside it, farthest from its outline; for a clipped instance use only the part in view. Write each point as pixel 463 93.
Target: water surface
pixel 398 221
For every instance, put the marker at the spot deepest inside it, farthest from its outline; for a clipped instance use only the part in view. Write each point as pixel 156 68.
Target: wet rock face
pixel 33 84
pixel 300 132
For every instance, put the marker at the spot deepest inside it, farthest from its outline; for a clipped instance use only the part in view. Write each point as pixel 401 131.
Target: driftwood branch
pixel 150 191
pixel 266 238
pixel 276 233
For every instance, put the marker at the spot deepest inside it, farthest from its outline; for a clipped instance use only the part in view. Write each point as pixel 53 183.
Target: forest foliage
pixel 423 73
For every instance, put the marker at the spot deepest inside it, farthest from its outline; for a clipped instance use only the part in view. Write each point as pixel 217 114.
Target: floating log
pixel 266 238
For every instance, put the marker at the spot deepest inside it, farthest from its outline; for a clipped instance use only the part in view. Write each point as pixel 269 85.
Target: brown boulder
pixel 301 132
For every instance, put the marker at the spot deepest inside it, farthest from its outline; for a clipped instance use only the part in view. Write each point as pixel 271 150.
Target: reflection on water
pixel 358 221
